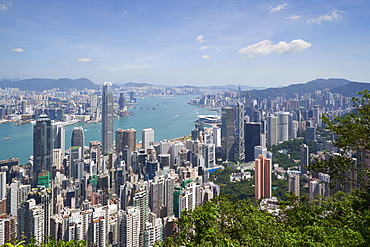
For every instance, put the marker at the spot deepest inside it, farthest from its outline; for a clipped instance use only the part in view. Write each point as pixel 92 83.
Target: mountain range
pixel 335 85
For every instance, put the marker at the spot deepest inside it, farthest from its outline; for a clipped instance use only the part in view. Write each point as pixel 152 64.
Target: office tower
pixel 259 150
pixel 152 165
pixel 292 127
pixel 252 138
pixel 77 137
pixel 239 132
pixel 59 137
pixel 147 138
pixel 216 136
pixel 310 134
pixel 271 130
pixel 282 126
pixel 43 145
pixel 93 103
pixel 262 177
pixel 209 155
pixel 227 133
pixel 75 157
pixel 107 118
pixel 293 183
pixel 304 159
pixel 175 152
pixel 121 101
pixel 125 138
pixel 316 116
pixel 156 195
pixel 24 106
pixel 129 227
pixel 2 185
pixel 164 147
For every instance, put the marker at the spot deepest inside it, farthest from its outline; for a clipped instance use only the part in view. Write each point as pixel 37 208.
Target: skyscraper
pixel 262 177
pixel 293 183
pixel 227 133
pixel 125 138
pixel 77 137
pixel 239 132
pixel 304 159
pixel 107 118
pixel 282 126
pixel 271 130
pixel 122 101
pixel 42 147
pixel 252 135
pixel 147 138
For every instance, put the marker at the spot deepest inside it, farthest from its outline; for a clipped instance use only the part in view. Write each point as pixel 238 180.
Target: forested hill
pixel 343 86
pixel 39 84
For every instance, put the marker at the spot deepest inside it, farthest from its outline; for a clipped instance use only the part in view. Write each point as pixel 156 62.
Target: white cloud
pixel 206 57
pixel 125 12
pixel 3 7
pixel 332 15
pixel 294 17
pixel 278 8
pixel 205 47
pixel 126 67
pixel 266 47
pixel 84 60
pixel 17 50
pixel 200 39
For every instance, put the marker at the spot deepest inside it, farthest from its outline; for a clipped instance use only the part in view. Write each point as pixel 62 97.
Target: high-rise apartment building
pixel 77 137
pixel 147 138
pixel 43 145
pixel 129 227
pixel 107 118
pixel 293 179
pixel 262 177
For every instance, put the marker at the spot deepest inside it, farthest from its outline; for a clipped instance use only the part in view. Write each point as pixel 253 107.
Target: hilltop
pixel 335 85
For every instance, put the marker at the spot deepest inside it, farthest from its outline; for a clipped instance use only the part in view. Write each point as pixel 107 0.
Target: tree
pixel 352 133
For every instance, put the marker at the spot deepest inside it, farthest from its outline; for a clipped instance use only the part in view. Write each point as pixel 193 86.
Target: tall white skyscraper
pixel 107 118
pixel 147 138
pixel 282 126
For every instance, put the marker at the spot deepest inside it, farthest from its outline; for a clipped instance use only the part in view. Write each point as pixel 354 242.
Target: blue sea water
pixel 170 117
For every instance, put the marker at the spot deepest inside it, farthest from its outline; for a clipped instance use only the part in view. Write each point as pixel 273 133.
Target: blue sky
pixel 194 42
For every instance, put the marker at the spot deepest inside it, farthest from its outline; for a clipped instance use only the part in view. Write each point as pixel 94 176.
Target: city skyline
pixel 196 42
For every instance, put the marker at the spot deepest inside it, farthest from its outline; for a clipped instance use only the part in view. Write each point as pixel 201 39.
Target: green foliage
pixel 241 189
pixel 341 220
pixel 352 137
pixel 294 152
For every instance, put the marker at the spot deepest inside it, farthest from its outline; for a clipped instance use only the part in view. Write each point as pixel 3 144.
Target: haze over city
pixel 253 43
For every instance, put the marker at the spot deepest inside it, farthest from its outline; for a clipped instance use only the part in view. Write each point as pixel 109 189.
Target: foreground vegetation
pixel 341 220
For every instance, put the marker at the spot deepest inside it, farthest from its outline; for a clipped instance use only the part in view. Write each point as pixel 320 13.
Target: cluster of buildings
pixel 113 192
pixel 120 193
pixel 249 126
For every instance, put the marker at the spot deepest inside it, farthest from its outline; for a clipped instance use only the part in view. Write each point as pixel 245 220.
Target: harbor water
pixel 170 117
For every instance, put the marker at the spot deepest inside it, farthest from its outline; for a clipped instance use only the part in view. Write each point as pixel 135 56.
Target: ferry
pixel 7 138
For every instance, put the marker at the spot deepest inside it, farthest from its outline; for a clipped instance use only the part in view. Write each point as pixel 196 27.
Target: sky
pixel 191 42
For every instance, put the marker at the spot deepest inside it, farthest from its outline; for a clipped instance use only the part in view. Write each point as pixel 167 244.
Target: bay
pixel 170 117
